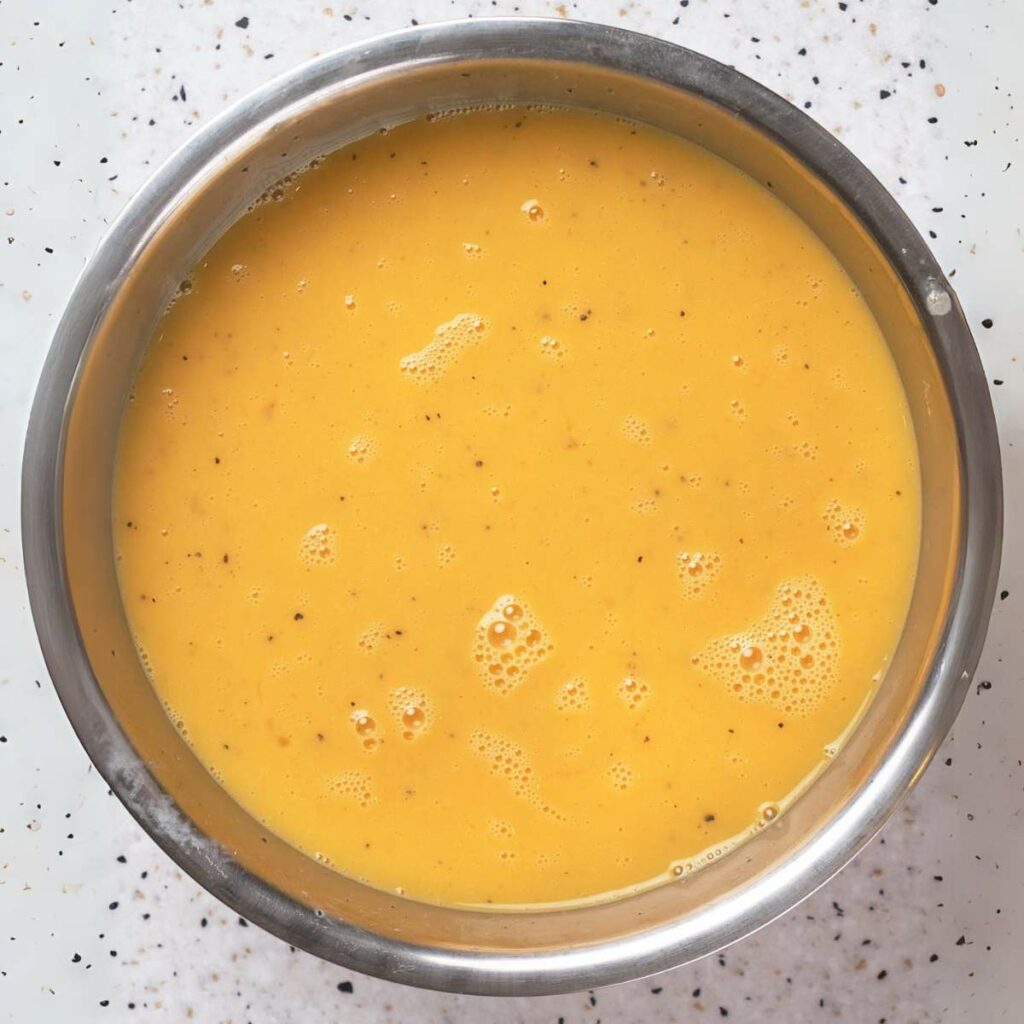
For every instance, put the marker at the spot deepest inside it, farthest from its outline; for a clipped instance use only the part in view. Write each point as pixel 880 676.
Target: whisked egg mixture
pixel 517 507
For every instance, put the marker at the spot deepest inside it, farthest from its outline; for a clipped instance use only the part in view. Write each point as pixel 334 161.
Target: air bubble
pixel 319 545
pixel 354 786
pixel 370 638
pixel 501 829
pixel 573 695
pixel 636 430
pixel 500 633
pixel 844 523
pixel 632 692
pixel 552 347
pixel 620 775
pixel 789 659
pixel 647 506
pixel 533 210
pixel 508 642
pixel 507 760
pixel 697 571
pixel 412 711
pixel 362 449
pixel 428 364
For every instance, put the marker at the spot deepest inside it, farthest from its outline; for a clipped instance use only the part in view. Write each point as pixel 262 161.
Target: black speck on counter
pixel 884 94
pixel 987 323
pixel 345 986
pixel 1003 595
pixel 242 22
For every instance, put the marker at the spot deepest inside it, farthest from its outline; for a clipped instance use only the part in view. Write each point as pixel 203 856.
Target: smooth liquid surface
pixel 517 507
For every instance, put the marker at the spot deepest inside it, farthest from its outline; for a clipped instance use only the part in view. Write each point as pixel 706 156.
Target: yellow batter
pixel 516 507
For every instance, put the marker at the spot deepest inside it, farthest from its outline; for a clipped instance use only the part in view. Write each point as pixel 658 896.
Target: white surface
pixel 90 103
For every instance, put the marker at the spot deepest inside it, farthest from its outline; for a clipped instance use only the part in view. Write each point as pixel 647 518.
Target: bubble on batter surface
pixel 573 695
pixel 370 638
pixel 508 761
pixel 412 711
pixel 632 692
pixel 645 506
pixel 366 730
pixel 509 640
pixel 501 829
pixel 429 364
pixel 788 659
pixel 354 786
pixel 620 775
pixel 361 449
pixel 319 545
pixel 533 210
pixel 552 348
pixel 697 570
pixel 636 430
pixel 844 523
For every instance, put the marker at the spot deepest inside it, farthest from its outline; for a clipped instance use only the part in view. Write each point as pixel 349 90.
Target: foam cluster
pixel 411 709
pixel 507 760
pixel 573 695
pixel 319 545
pixel 370 638
pixel 696 571
pixel 844 523
pixel 508 642
pixel 620 775
pixel 429 364
pixel 551 347
pixel 361 449
pixel 355 786
pixel 636 430
pixel 788 659
pixel 632 692
pixel 501 829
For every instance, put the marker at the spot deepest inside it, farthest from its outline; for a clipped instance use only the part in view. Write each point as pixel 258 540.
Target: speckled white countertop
pixel 97 925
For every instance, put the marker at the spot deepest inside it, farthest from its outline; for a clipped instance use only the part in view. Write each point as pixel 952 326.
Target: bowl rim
pixel 865 812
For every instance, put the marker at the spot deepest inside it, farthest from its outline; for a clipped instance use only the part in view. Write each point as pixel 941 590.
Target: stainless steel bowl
pixel 207 185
